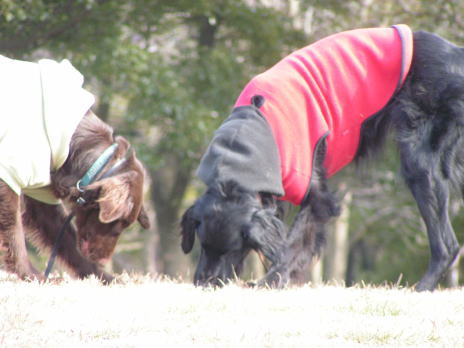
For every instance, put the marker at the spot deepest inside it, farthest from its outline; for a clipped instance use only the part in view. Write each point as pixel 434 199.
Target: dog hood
pixel 326 90
pixel 42 104
pixel 236 153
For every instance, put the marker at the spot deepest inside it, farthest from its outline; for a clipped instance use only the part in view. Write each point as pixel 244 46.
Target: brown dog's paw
pixel 30 273
pixel 54 279
pixel 106 278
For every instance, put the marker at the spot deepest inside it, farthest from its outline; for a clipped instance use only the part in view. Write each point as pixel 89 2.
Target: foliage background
pixel 167 72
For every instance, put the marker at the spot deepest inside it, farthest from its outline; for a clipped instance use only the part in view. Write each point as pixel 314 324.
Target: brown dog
pixel 103 207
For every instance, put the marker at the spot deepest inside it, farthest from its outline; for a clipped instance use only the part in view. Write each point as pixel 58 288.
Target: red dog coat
pixel 328 89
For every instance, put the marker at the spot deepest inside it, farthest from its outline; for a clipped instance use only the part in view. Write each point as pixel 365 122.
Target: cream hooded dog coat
pixel 41 105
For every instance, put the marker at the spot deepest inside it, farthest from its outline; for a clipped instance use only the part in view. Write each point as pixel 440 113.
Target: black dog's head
pixel 230 222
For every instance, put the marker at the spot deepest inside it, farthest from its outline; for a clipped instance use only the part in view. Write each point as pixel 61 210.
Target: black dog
pixel 245 167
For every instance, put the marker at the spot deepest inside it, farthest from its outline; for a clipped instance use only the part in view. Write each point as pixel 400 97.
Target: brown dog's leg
pixel 12 235
pixel 43 222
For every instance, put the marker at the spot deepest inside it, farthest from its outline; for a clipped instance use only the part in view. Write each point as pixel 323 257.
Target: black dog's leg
pixel 431 192
pixel 306 237
pixel 294 253
pixel 305 240
pixel 309 229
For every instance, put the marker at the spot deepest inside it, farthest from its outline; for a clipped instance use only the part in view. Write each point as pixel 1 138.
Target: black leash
pixel 58 238
pixel 87 179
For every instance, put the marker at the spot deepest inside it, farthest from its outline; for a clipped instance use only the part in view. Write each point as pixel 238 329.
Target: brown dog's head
pixel 112 204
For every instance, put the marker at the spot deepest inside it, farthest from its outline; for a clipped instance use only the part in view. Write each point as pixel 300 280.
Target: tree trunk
pixel 351 267
pixel 254 267
pixel 336 256
pixel 152 240
pixel 168 189
pixel 315 275
pixel 103 109
pixel 452 278
pixel 207 28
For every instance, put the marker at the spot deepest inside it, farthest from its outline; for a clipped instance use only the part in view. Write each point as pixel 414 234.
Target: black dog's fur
pixel 427 118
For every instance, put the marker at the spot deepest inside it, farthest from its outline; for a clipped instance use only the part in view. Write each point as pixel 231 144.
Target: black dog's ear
pixel 188 226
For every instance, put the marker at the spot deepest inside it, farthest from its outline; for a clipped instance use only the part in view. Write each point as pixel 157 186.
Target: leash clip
pixel 80 200
pixel 78 186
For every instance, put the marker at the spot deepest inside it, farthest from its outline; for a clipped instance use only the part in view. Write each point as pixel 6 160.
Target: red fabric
pixel 329 87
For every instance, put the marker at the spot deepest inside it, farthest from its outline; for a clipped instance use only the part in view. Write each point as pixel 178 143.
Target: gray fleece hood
pixel 243 149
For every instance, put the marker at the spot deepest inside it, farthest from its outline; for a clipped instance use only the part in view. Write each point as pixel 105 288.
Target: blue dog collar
pixel 96 167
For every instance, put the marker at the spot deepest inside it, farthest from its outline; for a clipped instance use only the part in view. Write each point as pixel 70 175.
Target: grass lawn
pixel 145 312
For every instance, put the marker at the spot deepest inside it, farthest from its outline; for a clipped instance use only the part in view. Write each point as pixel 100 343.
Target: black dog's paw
pixel 425 284
pixel 274 280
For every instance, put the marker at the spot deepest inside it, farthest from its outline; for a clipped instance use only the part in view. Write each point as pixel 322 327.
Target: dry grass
pixel 158 313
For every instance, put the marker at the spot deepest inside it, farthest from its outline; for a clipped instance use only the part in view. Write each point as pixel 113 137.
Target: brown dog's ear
pixel 143 219
pixel 115 198
pixel 123 145
pixel 188 226
pixel 115 201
